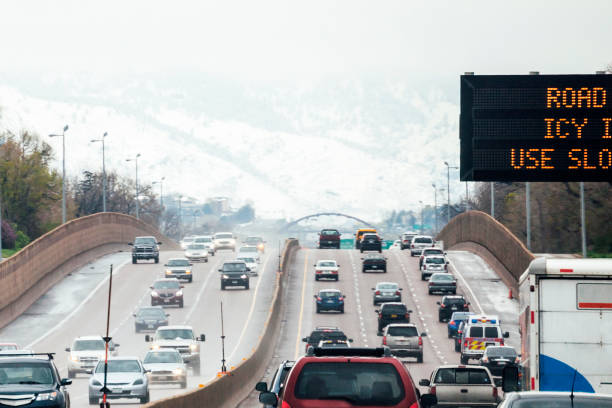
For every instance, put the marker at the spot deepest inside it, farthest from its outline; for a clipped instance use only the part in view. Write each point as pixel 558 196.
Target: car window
pixel 26 373
pixel 234 267
pixel 330 232
pixel 253 240
pixel 203 239
pixel 169 284
pixel 145 241
pixel 178 262
pixel 391 308
pixel 172 334
pixel 224 236
pixel 317 336
pixel 151 313
pixel 491 332
pixel 5 347
pixel 247 260
pixel 81 345
pixel 476 332
pixel 358 383
pixel 196 246
pixel 387 286
pixel 119 366
pixel 327 264
pixel 437 261
pixel 454 301
pixel 433 252
pixel 462 376
pixel 153 357
pixel 329 294
pixel 501 351
pixel 460 316
pixel 423 240
pixel 248 249
pixel 405 331
pixel 443 277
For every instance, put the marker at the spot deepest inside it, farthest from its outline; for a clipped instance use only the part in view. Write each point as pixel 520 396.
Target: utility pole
pixel 421 203
pixel 448 169
pixel 492 184
pixel 528 197
pixel 107 340
pixel 435 206
pixel 103 170
pixel 223 367
pixel 180 217
pixel 583 220
pixel 135 159
pixel 63 136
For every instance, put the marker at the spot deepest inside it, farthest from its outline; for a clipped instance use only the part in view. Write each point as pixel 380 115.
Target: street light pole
pixel 492 199
pixel 63 171
pixel 421 202
pixel 161 198
pixel 103 170
pixel 435 205
pixel 135 159
pixel 448 168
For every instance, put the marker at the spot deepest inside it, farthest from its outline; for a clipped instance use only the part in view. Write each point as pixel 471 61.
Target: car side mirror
pixel 202 337
pixel 67 349
pixel 261 387
pixel 65 381
pixel 424 334
pixel 437 303
pixel 116 345
pixel 510 379
pixel 448 262
pixel 506 335
pixel 167 314
pixel 315 265
pixel 166 265
pixel 130 243
pixel 373 288
pixel 376 311
pixel 220 270
pixel 190 264
pixel 314 296
pixel 379 334
pixel 409 311
pixel 268 398
pixel 429 400
pixel 147 338
pixel 350 340
pixel 182 286
pixel 150 287
pixel 401 289
pixel 424 382
pixel 134 314
pixel 159 243
pixel 468 303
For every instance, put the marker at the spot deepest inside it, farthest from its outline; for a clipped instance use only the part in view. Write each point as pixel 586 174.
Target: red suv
pixel 329 238
pixel 350 377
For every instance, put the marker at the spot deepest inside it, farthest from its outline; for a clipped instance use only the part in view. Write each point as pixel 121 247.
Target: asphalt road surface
pixel 476 281
pixel 77 307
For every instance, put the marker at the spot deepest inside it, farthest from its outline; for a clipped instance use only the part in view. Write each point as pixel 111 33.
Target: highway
pixel 476 281
pixel 77 307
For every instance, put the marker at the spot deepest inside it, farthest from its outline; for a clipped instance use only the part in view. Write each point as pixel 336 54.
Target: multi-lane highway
pixel 77 307
pixel 476 281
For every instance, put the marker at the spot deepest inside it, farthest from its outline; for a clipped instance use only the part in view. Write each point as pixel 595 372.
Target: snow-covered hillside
pixel 351 146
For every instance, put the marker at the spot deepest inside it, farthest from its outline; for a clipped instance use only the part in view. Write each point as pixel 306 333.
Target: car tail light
pixel 336 272
pixel 485 359
pixel 533 383
pixel 446 267
pixel 397 292
pixel 442 305
pixel 384 340
pixel 465 343
pixel 318 271
pixel 285 405
pixel 501 341
pixel 407 315
pixel 459 331
pixel 432 390
pixel 415 405
pixel 495 395
pixel 425 267
pixel 420 341
pixel 412 246
pixel 377 292
pixel 341 299
pixel 452 322
pixel 318 298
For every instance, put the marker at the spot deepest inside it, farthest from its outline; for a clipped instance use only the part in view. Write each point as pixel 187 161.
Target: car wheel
pixel 316 278
pixel 145 399
pixel 342 309
pixel 222 286
pixel 420 358
pixel 464 360
pixel 457 346
pixel 180 304
pixel 449 334
pixel 206 260
pixel 361 250
pixel 318 310
pixel 184 383
pixel 134 260
pixel 429 292
pixel 454 292
pixel 422 277
pixel 71 374
pixel 374 303
pixel 93 400
pixel 246 286
pixel 380 251
pixel 196 367
pixel 191 279
pixel 337 278
pixel 135 328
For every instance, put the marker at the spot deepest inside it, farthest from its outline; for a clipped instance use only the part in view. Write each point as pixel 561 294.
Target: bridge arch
pixel 334 214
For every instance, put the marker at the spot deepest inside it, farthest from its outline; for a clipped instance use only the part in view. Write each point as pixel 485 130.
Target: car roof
pixel 150 308
pixel 8 344
pixel 375 256
pixel 433 249
pixel 392 304
pixel 547 394
pixel 164 350
pixel 387 283
pixel 453 297
pixel 329 328
pixel 326 260
pixel 441 273
pixel 146 236
pixel 88 338
pixel 175 327
pixel 24 358
pixel 178 259
pixel 433 255
pixel 462 366
pixel 329 290
pixel 165 280
pixel 122 358
pixel 402 325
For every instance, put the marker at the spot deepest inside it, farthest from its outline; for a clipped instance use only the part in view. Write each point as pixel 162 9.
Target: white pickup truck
pixel 461 385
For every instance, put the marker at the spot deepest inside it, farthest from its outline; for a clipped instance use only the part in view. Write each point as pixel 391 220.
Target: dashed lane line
pixel 362 328
pixel 298 340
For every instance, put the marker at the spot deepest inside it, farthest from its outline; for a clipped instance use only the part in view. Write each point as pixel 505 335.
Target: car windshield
pixel 119 366
pixel 454 301
pixel 188 239
pixel 326 264
pixel 355 383
pixel 178 262
pixel 166 284
pixel 5 347
pixel 234 267
pixel 81 345
pixel 437 261
pixel 433 252
pixel 26 373
pixel 423 240
pixel 248 249
pixel 442 277
pixel 391 308
pixel 462 376
pixel 145 241
pixel 330 232
pixel 196 246
pixel 172 334
pixel 501 351
pixel 254 240
pixel 224 236
pixel 562 401
pixel 151 313
pixel 387 286
pixel 247 260
pixel 155 357
pixel 203 239
pixel 460 316
pixel 330 294
pixel 370 236
pixel 405 331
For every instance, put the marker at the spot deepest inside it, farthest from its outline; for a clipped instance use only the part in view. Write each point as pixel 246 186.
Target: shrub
pixel 8 235
pixel 21 239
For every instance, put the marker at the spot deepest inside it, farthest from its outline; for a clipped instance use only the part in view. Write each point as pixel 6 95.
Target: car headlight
pixel 74 358
pixel 188 271
pixel 168 272
pixel 155 347
pixel 177 371
pixel 96 383
pixel 138 382
pixel 225 277
pixel 193 347
pixel 179 293
pixel 154 293
pixel 243 276
pixel 46 396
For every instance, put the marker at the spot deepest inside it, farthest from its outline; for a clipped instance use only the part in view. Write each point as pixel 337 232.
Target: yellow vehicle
pixel 359 235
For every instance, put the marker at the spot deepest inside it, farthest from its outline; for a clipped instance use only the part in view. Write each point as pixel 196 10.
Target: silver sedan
pixel 126 378
pixel 166 366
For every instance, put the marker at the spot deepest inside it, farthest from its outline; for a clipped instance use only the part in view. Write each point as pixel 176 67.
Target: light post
pixel 421 203
pixel 161 198
pixel 63 171
pixel 135 160
pixel 435 205
pixel 448 169
pixel 103 170
pixel 180 216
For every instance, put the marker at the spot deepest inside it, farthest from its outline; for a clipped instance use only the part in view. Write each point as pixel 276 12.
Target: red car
pixel 348 377
pixel 329 238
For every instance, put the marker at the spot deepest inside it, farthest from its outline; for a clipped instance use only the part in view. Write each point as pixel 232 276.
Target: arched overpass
pixel 333 214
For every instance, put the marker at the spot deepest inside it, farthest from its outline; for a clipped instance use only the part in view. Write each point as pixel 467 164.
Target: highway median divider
pixel 229 389
pixel 28 274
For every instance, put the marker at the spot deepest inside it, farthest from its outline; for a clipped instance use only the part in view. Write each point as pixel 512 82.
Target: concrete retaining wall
pixel 228 391
pixel 27 275
pixel 480 228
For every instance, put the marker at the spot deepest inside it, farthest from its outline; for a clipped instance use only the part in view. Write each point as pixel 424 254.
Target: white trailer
pixel 566 325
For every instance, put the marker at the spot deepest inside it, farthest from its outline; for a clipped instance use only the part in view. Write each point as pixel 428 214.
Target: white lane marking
pixel 474 298
pixel 78 308
pixel 248 319
pixel 364 335
pixel 211 272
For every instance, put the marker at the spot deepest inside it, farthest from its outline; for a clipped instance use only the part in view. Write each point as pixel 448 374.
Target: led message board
pixel 536 128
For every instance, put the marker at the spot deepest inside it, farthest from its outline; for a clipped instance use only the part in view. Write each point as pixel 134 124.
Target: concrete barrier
pixel 229 390
pixel 28 274
pixel 480 233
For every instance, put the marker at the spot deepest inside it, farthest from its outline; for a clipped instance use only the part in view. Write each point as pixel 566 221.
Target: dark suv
pixel 150 318
pixel 145 248
pixel 392 312
pixel 329 238
pixel 324 333
pixel 374 263
pixel 450 304
pixel 371 242
pixel 32 379
pixel 348 377
pixel 234 273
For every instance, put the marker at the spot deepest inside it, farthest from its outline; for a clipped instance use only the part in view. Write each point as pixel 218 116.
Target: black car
pixel 145 248
pixel 150 318
pixel 392 312
pixel 443 283
pixel 234 273
pixel 374 263
pixel 277 381
pixel 324 333
pixel 33 380
pixel 370 242
pixel 450 304
pixel 495 358
pixel 329 238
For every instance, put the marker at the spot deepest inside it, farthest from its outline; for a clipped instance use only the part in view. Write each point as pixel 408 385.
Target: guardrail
pixel 485 232
pixel 28 274
pixel 230 390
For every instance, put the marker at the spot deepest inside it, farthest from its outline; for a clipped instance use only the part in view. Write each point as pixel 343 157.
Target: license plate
pixel 116 390
pixel 166 300
pixel 150 326
pixel 327 272
pixel 454 308
pixel 374 266
pixel 393 316
pixel 234 281
pixel 329 301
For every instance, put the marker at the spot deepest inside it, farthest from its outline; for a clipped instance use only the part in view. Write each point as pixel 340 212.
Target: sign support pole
pixel 492 199
pixel 583 220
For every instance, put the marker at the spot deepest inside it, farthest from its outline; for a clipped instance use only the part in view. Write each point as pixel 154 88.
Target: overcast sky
pixel 282 39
